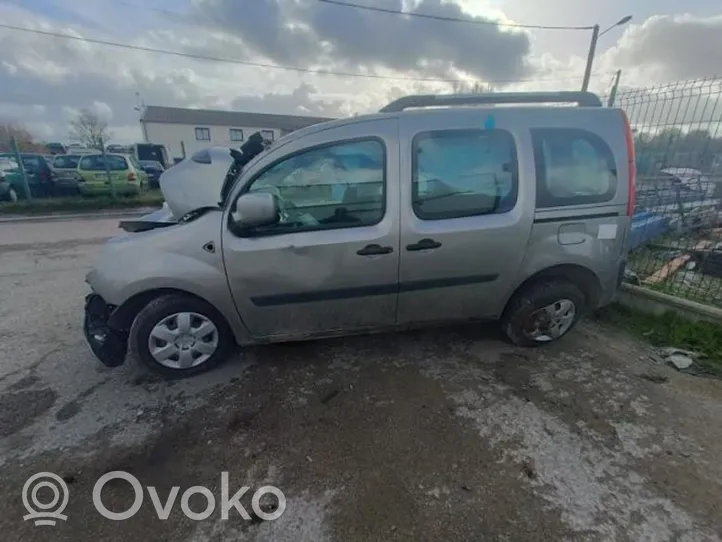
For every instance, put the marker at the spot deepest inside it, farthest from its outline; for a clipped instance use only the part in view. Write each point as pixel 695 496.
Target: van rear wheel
pixel 179 335
pixel 543 313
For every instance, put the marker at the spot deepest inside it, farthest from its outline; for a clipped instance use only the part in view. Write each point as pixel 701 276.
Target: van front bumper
pixel 109 345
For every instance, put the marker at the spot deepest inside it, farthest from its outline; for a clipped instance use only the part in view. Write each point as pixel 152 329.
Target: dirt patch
pixel 20 409
pixel 74 407
pixel 26 382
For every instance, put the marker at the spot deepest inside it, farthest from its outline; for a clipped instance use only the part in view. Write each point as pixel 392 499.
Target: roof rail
pixel 584 99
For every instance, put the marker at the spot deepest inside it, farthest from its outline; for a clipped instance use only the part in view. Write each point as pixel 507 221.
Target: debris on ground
pixel 631 277
pixel 678 358
pixel 673 265
pixel 655 378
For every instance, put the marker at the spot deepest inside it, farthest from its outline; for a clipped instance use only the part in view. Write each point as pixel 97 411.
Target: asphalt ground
pixel 445 434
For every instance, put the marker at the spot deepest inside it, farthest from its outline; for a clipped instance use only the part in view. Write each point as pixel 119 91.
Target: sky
pixel 45 80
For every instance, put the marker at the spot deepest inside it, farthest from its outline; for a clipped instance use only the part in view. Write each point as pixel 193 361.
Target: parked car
pixel 151 151
pixel 516 213
pixel 126 174
pixel 117 149
pixel 67 177
pixel 154 171
pixel 10 180
pixel 55 148
pixel 40 174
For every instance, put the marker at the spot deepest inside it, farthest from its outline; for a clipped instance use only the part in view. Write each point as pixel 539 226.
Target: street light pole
pixel 590 58
pixel 593 48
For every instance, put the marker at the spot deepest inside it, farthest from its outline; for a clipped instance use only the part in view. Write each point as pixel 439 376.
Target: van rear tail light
pixel 132 177
pixel 632 165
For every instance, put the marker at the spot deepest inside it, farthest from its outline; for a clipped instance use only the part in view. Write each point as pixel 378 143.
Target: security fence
pixel 676 237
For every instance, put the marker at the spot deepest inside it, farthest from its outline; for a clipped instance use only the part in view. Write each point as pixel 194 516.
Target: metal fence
pixel 676 236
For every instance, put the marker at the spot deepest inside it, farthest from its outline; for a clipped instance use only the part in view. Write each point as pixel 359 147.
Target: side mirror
pixel 253 210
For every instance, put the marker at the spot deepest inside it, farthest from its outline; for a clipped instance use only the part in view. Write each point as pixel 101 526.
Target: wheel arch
pixel 123 315
pixel 582 277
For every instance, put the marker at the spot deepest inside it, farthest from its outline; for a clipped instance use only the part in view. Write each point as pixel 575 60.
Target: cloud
pixel 669 48
pixel 43 80
pixel 311 33
pixel 300 101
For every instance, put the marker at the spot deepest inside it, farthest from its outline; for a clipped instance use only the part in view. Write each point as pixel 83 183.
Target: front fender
pixel 184 257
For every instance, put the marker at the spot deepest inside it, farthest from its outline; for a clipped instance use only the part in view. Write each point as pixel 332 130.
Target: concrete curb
pixel 97 215
pixel 657 303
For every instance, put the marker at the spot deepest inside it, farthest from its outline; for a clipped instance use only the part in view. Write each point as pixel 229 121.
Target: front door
pixel 466 222
pixel 331 263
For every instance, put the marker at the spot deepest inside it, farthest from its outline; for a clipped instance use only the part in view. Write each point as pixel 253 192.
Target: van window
pixel 458 173
pixel 96 163
pixel 66 161
pixel 335 186
pixel 573 167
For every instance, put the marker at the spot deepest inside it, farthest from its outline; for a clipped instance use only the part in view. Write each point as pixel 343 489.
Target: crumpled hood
pixel 196 181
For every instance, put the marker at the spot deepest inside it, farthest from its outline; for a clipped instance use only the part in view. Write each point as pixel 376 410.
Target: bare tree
pixel 24 139
pixel 89 129
pixel 477 87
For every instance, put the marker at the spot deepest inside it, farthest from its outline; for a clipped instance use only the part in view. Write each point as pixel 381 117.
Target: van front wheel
pixel 542 313
pixel 179 335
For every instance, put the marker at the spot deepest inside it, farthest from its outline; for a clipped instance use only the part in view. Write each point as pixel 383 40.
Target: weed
pixel 670 329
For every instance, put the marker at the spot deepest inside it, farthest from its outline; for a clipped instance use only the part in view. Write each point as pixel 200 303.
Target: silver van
pixel 510 207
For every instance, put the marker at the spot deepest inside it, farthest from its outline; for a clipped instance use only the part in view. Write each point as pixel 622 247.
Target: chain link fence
pixel 676 238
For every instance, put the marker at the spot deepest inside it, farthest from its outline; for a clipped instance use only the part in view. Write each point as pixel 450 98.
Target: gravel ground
pixel 447 434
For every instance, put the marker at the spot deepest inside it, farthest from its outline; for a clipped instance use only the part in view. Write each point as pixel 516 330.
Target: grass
pixel 41 206
pixel 704 338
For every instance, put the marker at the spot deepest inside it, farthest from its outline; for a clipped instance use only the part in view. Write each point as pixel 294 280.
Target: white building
pixel 184 131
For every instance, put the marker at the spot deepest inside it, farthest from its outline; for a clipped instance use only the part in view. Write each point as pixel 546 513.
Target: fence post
pixel 107 169
pixel 615 87
pixel 16 151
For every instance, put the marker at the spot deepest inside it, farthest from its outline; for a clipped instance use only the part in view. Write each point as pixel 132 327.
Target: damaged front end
pixel 109 345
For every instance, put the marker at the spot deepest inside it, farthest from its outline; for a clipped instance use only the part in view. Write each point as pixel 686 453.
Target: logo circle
pixel 48 479
pixel 120 475
pixel 41 505
pixel 256 503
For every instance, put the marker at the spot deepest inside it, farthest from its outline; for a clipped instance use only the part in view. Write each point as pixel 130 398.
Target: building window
pixel 460 173
pixel 203 134
pixel 236 134
pixel 573 167
pixel 267 135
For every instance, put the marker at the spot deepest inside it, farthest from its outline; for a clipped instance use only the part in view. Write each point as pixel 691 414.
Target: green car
pixel 11 180
pixel 13 187
pixel 126 174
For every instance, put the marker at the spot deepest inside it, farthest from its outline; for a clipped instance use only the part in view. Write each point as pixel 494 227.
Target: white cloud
pixel 45 80
pixel 668 48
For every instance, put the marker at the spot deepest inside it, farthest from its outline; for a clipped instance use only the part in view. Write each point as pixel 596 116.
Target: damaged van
pixel 437 209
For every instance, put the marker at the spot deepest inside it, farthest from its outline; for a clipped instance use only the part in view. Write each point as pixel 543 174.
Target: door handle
pixel 372 250
pixel 424 244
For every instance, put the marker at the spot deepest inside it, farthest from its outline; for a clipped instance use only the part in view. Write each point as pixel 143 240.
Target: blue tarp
pixel 645 227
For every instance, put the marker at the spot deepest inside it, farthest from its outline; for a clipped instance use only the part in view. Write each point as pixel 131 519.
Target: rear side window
pixel 459 173
pixel 135 162
pixel 96 163
pixel 66 162
pixel 573 167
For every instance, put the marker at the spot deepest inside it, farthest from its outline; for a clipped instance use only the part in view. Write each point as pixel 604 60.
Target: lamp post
pixel 593 47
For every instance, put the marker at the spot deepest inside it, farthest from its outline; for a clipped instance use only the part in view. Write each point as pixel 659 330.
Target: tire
pixel 522 315
pixel 161 313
